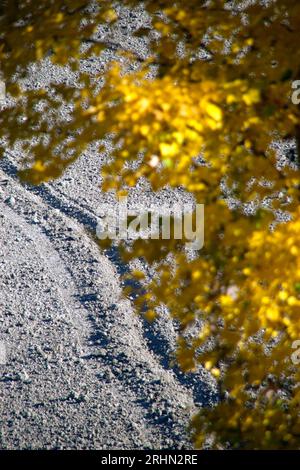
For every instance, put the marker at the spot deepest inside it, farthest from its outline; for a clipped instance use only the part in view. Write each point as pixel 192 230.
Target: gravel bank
pixel 83 370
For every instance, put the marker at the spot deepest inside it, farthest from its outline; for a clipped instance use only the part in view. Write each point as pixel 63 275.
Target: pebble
pixel 11 201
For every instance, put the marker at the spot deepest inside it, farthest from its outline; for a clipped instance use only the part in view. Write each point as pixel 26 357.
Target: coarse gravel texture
pixel 83 370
